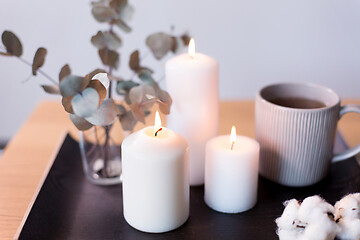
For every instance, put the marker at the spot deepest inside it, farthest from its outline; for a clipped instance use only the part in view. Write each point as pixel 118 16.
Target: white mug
pixel 296 127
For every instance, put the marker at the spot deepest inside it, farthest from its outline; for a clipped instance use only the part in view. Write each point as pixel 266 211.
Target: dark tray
pixel 69 207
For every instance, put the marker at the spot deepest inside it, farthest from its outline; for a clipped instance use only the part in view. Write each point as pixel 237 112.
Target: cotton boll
pixel 348 217
pixel 288 221
pixel 311 220
pixel 289 216
pixel 349 229
pixel 319 216
pixel 315 208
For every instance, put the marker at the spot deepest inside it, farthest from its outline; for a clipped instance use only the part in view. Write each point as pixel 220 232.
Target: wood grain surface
pixel 29 155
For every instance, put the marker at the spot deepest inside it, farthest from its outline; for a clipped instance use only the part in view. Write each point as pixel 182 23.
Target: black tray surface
pixel 70 207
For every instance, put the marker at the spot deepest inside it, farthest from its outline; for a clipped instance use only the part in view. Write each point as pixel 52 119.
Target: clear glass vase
pixel 100 149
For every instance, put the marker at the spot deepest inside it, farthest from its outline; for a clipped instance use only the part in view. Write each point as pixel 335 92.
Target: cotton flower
pixel 313 219
pixel 347 215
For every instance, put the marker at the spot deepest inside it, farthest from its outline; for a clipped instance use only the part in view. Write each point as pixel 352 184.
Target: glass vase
pixel 100 149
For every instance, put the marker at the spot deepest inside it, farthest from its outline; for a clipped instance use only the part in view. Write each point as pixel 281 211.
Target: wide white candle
pixel 192 81
pixel 155 179
pixel 231 173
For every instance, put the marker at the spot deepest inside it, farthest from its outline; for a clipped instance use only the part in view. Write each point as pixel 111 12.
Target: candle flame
pixel 157 125
pixel 233 137
pixel 191 48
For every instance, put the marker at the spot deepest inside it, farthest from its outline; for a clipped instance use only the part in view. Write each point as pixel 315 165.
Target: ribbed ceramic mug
pixel 296 144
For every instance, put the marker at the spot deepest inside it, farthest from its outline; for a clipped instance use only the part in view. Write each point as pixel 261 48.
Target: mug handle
pixel 352 151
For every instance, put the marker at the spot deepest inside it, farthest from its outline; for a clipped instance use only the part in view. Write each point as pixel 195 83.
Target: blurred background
pixel 256 42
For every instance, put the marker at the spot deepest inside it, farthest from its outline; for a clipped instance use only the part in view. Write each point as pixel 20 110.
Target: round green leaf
pixel 72 85
pixel 106 40
pixel 103 13
pixel 165 101
pixel 109 57
pixel 160 44
pixel 134 61
pixel 65 71
pixel 103 78
pixel 12 43
pixel 101 90
pixel 86 103
pixel 66 102
pixel 138 112
pixel 138 94
pixel 93 73
pixel 80 123
pixel 39 59
pixel 105 115
pixel 127 121
pixel 124 87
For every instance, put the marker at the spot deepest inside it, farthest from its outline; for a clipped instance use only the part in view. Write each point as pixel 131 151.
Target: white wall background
pixel 256 42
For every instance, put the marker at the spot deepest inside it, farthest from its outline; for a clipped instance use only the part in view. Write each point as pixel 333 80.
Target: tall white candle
pixel 192 81
pixel 231 173
pixel 155 179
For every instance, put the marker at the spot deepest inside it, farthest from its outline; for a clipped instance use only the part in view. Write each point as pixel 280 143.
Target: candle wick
pixel 232 145
pixel 156 133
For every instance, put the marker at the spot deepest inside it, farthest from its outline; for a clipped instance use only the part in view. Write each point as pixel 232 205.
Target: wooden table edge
pixel 41 182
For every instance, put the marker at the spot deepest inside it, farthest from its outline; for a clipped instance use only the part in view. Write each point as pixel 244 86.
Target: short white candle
pixel 192 81
pixel 155 179
pixel 231 173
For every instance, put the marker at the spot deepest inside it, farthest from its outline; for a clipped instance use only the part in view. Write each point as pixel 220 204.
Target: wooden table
pixel 30 154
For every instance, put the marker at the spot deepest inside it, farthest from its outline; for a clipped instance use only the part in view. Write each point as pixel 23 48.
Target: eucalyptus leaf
pixel 106 40
pixel 109 57
pixel 39 59
pixel 103 78
pixel 126 13
pixel 121 109
pixel 122 25
pixel 12 43
pixel 105 115
pixel 65 71
pixel 127 98
pixel 127 121
pixel 138 112
pixel 103 13
pixel 134 62
pixel 66 102
pixel 160 44
pixel 146 77
pixel 99 87
pixel 86 103
pixel 118 5
pixel 165 101
pixel 72 85
pixel 93 73
pixel 138 94
pixel 124 87
pixel 80 123
pixel 51 89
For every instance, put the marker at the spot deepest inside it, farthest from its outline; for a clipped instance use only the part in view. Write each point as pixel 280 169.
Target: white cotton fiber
pixel 313 219
pixel 347 215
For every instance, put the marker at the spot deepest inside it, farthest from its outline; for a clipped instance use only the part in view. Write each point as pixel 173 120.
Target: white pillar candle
pixel 192 81
pixel 155 179
pixel 231 173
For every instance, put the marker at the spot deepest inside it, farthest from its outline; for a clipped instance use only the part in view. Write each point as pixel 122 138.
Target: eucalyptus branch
pixel 39 71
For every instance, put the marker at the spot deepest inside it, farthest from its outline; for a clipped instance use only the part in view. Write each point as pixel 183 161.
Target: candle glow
pixel 157 125
pixel 233 137
pixel 191 49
